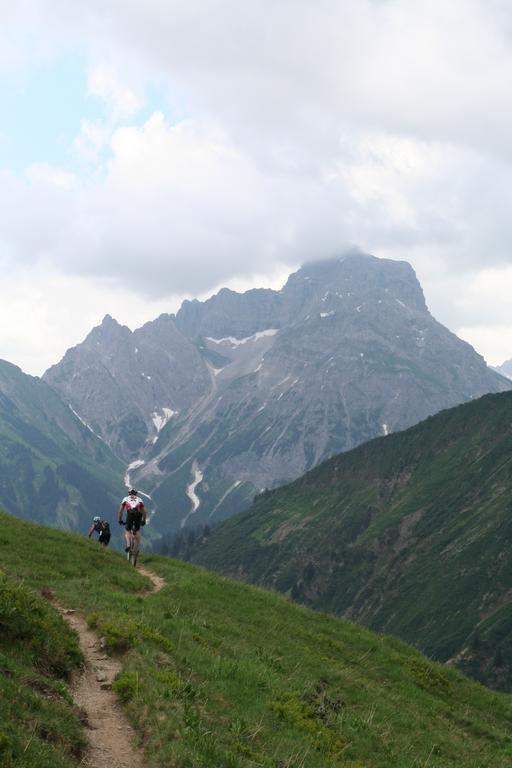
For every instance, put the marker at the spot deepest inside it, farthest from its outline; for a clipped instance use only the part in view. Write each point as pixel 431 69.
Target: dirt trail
pixel 111 738
pixel 157 581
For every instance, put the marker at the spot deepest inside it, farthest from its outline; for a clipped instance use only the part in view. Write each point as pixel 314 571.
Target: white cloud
pixel 47 176
pixel 496 340
pixel 93 138
pixel 43 313
pixel 293 129
pixel 178 209
pixel 104 82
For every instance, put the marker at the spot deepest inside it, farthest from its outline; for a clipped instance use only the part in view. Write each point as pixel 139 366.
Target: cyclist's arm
pixel 91 530
pixel 120 513
pixel 143 512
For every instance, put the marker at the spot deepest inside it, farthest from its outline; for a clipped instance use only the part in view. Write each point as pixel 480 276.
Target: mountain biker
pixel 135 516
pixel 102 527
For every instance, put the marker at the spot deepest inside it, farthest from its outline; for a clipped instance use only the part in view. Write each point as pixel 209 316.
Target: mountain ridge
pixel 253 389
pixel 53 468
pixel 407 534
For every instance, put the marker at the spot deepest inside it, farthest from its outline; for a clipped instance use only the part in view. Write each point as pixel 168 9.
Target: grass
pixel 408 534
pixel 38 726
pixel 218 674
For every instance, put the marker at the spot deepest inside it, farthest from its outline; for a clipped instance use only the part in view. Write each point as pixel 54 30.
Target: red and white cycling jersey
pixel 132 503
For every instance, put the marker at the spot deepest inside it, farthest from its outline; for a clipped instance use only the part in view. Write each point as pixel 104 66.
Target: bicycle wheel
pixel 135 552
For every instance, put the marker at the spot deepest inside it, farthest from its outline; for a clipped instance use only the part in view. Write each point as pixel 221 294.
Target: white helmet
pixel 96 519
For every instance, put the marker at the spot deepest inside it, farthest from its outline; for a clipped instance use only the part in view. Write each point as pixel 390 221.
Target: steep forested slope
pixel 53 469
pixel 217 673
pixel 409 534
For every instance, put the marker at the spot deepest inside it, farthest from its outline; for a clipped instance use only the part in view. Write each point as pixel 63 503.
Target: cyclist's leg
pixel 136 529
pixel 128 530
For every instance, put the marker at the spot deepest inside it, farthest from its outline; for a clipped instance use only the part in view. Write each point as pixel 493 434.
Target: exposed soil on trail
pixel 157 581
pixel 111 738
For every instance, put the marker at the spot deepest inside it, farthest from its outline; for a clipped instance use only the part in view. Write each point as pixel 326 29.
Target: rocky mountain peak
pixel 357 276
pixel 229 313
pixel 248 390
pixel 109 327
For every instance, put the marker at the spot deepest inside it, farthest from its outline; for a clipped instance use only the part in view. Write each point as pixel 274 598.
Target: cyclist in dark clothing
pixel 103 528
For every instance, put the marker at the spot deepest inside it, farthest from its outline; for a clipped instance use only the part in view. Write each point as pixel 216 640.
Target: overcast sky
pixel 159 150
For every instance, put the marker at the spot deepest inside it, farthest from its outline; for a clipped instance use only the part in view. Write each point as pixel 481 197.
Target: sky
pixel 156 151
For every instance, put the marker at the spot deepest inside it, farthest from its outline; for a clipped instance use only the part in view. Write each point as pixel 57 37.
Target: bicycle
pixel 133 551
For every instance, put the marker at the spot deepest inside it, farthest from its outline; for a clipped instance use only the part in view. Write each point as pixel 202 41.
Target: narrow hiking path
pixel 158 582
pixel 112 740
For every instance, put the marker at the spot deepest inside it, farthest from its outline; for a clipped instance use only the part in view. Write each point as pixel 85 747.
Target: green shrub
pixel 119 636
pixel 5 747
pixel 303 715
pixel 430 677
pixel 175 685
pixel 126 685
pixel 124 634
pixel 93 620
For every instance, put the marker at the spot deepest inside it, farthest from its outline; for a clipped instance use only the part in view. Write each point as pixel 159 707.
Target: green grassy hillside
pixel 218 674
pixel 38 726
pixel 409 534
pixel 53 469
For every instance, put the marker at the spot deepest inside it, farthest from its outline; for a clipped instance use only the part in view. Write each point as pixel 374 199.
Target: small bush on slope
pixel 218 674
pixel 38 728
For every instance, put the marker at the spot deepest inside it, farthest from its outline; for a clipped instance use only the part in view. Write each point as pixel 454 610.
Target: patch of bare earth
pixel 157 581
pixel 112 740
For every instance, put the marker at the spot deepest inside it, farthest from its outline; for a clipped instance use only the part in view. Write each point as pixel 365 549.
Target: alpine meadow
pixel 216 673
pixel 256 384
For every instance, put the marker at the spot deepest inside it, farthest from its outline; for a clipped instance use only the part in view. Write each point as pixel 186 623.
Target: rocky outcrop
pixel 127 385
pixel 251 390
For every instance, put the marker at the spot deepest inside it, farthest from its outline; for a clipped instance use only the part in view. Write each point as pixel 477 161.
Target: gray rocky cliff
pixel 126 385
pixel 246 391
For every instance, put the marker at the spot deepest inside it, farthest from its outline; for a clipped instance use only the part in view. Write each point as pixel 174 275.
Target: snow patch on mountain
pixel 83 421
pixel 191 492
pixel 133 465
pixel 224 497
pixel 161 419
pixel 214 370
pixel 237 342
